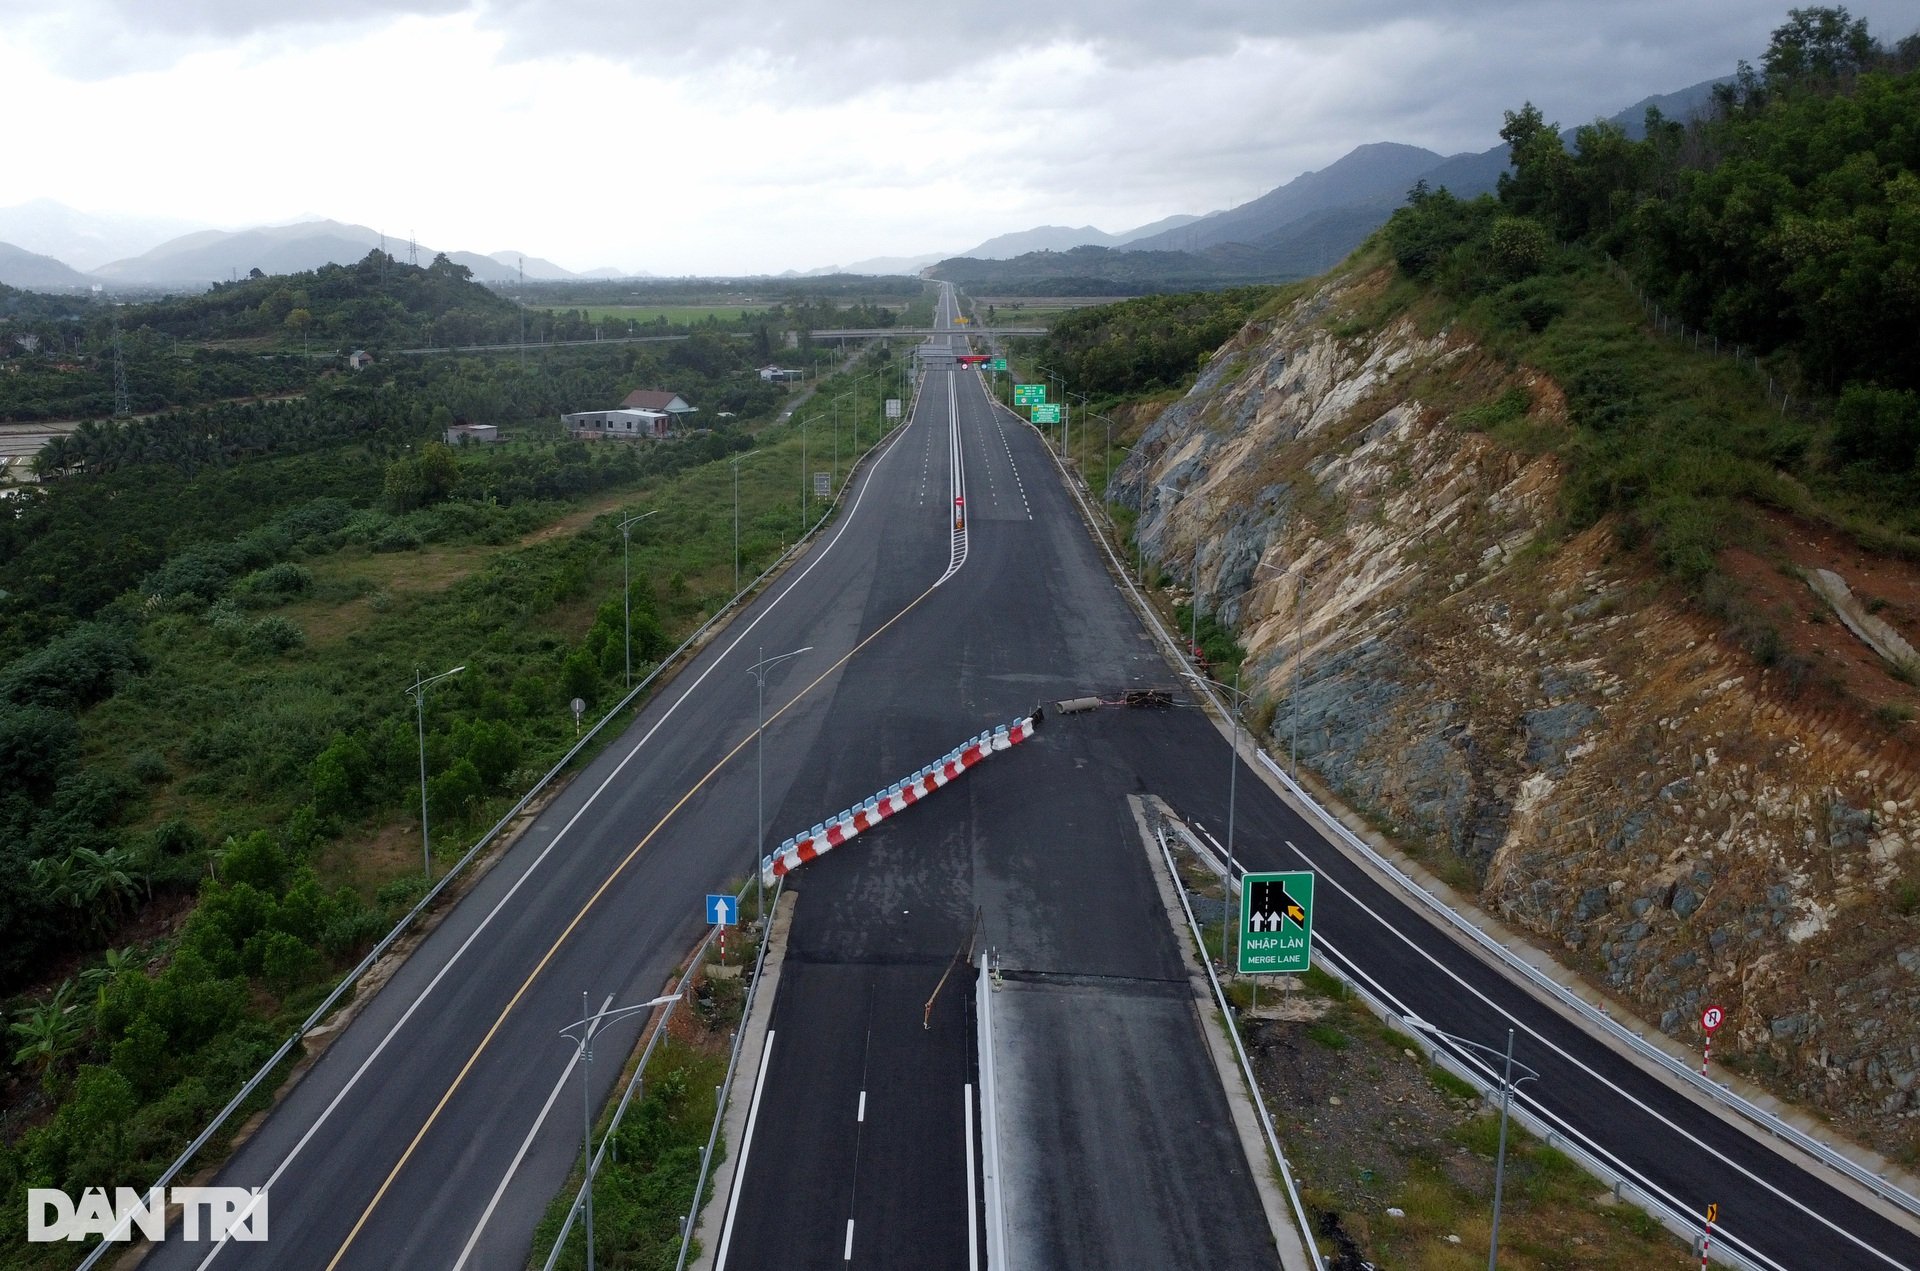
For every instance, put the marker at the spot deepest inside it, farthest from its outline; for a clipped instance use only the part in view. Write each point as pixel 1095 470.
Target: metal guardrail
pixel 400 928
pixel 1760 1117
pixel 633 1085
pixel 1246 1068
pixel 1624 1186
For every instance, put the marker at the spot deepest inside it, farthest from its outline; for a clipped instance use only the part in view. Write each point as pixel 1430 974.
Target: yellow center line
pixel 591 901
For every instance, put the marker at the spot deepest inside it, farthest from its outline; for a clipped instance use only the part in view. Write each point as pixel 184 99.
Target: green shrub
pixel 274 585
pixel 275 634
pixel 86 665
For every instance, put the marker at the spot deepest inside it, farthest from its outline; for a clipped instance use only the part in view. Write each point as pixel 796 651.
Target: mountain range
pixel 200 256
pixel 1293 231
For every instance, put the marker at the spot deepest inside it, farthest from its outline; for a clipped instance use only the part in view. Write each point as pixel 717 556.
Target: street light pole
pixel 420 724
pixel 759 673
pixel 736 517
pixel 1507 1086
pixel 626 583
pixel 584 1054
pixel 1500 1161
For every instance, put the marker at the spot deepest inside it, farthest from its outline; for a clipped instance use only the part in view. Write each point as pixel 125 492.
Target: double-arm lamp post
pixel 584 1042
pixel 1507 1085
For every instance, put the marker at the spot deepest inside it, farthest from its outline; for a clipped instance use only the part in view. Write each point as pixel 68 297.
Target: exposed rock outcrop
pixel 1531 712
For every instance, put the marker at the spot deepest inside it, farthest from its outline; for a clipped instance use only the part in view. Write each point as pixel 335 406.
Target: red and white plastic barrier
pixel 836 830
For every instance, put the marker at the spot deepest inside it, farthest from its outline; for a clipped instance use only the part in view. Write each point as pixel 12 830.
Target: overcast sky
pixel 759 135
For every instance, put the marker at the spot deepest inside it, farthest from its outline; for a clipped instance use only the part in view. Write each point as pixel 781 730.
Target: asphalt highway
pixel 439 1124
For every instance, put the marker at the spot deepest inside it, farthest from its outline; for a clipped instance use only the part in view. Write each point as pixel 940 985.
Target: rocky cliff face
pixel 1533 714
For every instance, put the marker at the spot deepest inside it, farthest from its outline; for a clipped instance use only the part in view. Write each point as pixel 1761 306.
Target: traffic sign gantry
pixel 999 364
pixel 1276 923
pixel 1029 394
pixel 1044 414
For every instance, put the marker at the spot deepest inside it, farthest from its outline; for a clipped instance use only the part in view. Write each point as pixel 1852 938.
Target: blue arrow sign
pixel 722 910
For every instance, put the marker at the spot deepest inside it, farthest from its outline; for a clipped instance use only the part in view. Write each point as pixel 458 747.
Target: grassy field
pixel 672 315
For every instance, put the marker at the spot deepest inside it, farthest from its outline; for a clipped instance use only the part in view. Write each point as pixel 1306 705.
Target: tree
pixel 405 487
pixel 300 320
pixel 1816 48
pixel 439 471
pixel 48 1032
pixel 1539 177
pixel 1518 247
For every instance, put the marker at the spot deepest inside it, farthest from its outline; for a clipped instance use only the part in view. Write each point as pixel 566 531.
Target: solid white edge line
pixel 1576 1062
pixel 746 1146
pixel 793 581
pixel 466 1251
pixel 990 1128
pixel 973 1216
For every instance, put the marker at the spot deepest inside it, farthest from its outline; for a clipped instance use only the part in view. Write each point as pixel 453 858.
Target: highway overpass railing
pixel 1594 1018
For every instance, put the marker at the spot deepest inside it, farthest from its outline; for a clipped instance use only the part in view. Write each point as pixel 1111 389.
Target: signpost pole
pixel 1710 1020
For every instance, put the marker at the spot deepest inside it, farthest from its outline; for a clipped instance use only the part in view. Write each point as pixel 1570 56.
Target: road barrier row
pixel 859 818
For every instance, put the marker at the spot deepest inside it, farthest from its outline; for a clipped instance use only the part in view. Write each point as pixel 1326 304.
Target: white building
pixel 625 425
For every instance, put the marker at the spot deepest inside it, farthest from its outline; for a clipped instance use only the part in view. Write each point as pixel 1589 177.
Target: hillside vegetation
pixel 1784 227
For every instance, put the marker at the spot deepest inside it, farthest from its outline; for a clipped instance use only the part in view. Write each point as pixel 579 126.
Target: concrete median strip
pixel 856 820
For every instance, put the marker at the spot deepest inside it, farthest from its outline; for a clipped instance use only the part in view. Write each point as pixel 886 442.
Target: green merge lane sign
pixel 1276 923
pixel 999 364
pixel 1029 394
pixel 1046 414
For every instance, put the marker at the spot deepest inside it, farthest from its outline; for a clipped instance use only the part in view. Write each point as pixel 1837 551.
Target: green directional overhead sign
pixel 1046 414
pixel 999 364
pixel 1276 923
pixel 1029 394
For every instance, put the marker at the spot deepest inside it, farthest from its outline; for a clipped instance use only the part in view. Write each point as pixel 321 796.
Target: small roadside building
pixel 780 375
pixel 621 425
pixel 658 399
pixel 461 433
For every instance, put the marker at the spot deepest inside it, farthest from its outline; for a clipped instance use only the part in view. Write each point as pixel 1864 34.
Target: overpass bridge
pixel 875 333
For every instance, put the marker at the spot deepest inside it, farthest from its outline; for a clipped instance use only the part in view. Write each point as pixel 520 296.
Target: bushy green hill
pixel 377 302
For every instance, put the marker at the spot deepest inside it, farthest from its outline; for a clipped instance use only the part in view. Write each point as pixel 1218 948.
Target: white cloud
pixel 760 135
